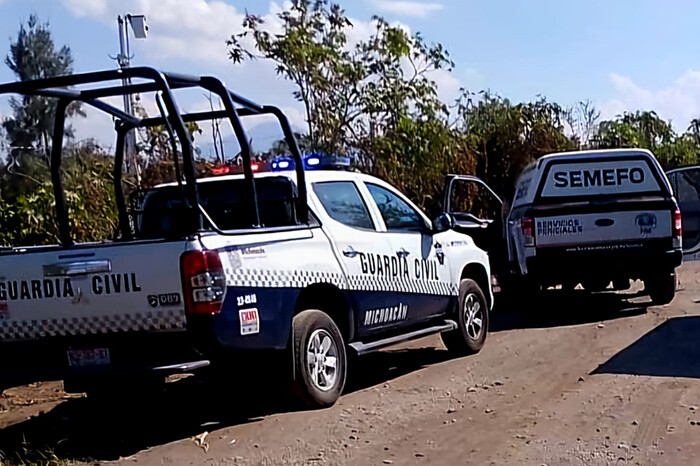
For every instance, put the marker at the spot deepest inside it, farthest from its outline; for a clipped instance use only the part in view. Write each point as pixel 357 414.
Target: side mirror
pixel 443 222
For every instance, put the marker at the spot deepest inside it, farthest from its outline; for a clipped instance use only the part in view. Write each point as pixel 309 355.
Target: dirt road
pixel 568 380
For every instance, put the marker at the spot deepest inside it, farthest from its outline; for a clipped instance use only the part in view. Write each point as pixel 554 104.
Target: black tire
pixel 465 340
pixel 661 289
pixel 593 285
pixel 621 284
pixel 311 328
pixel 517 288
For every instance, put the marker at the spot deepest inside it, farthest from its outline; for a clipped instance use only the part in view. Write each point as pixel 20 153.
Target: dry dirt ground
pixel 573 380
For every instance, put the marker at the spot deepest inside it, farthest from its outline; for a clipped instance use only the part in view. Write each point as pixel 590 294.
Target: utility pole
pixel 140 30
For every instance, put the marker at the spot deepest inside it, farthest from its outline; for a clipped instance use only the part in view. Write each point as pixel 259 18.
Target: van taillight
pixel 527 227
pixel 677 223
pixel 204 282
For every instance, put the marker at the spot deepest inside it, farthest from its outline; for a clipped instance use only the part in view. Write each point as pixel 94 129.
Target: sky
pixel 624 55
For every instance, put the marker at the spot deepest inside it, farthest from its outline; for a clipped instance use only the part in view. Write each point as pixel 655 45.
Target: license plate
pixel 88 357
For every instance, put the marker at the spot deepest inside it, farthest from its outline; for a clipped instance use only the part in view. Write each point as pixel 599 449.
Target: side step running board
pixel 364 348
pixel 182 367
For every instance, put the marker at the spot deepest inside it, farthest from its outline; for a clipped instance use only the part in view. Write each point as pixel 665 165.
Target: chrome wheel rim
pixel 322 359
pixel 473 316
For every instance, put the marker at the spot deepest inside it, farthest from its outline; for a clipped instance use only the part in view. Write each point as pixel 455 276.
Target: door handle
pixel 349 252
pixel 77 268
pixel 402 253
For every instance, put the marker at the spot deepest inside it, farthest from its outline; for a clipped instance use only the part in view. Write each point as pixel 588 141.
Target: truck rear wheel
pixel 595 284
pixel 320 361
pixel 661 289
pixel 472 321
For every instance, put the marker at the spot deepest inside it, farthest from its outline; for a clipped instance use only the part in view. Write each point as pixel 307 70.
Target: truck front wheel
pixel 320 362
pixel 661 289
pixel 472 320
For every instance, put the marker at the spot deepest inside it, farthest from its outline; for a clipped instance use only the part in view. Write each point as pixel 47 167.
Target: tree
pixel 399 83
pixel 351 95
pixel 648 131
pixel 582 119
pixel 503 137
pixel 416 155
pixel 157 162
pixel 34 56
pixel 375 100
pixel 694 128
pixel 29 218
pixel 310 52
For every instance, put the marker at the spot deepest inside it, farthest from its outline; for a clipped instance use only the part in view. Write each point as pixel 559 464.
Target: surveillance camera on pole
pixel 140 30
pixel 138 25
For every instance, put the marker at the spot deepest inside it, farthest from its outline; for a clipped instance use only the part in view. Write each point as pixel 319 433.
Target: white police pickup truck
pixel 218 270
pixel 593 218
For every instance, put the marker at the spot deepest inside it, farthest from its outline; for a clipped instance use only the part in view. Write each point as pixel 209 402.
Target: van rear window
pixel 600 177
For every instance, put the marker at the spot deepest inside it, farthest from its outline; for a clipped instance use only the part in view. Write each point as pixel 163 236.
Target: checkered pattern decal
pixel 369 283
pixel 265 278
pixel 260 278
pixel 91 325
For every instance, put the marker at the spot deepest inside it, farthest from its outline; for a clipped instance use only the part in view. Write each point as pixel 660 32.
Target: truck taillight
pixel 677 223
pixel 527 227
pixel 204 282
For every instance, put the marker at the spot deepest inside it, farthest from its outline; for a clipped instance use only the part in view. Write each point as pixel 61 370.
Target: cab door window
pixel 687 189
pixel 397 214
pixel 342 202
pixel 478 212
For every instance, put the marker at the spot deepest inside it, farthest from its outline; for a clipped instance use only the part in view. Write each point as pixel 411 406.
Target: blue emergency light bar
pixel 312 161
pixel 282 163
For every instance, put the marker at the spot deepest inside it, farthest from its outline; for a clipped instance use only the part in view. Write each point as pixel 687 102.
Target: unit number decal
pixel 164 299
pixel 246 299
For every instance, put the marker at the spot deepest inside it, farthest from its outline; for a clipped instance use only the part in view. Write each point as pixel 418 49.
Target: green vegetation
pixel 28 455
pixel 26 194
pixel 375 100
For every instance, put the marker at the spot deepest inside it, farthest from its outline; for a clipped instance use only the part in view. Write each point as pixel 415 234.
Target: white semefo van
pixel 593 218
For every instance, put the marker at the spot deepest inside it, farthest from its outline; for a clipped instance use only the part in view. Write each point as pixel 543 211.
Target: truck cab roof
pixel 590 173
pixel 595 153
pixel 312 176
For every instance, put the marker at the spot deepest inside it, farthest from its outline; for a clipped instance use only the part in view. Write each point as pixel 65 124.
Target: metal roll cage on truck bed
pixel 163 83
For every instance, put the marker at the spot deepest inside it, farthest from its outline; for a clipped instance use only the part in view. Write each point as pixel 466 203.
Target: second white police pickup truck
pixel 595 218
pixel 219 270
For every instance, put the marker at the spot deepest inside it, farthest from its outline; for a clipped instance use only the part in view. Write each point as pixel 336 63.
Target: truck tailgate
pixel 605 227
pixel 91 290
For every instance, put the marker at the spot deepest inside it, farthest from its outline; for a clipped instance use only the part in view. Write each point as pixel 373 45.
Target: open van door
pixel 477 211
pixel 686 188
